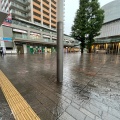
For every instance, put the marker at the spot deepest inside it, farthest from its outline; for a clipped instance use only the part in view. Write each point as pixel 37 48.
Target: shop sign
pixel 7 39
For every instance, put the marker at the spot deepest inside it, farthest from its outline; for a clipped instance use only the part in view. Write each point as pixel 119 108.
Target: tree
pixel 87 23
pixel 94 23
pixel 79 27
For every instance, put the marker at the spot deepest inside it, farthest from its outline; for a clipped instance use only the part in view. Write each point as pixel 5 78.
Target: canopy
pixel 3 15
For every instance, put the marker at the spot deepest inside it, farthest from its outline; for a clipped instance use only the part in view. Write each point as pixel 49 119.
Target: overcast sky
pixel 70 9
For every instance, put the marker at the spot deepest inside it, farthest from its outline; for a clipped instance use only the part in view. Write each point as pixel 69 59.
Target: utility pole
pixel 60 9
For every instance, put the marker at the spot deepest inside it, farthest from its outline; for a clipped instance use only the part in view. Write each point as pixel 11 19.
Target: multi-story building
pixel 5 5
pixel 33 26
pixel 41 12
pixel 44 12
pixel 109 38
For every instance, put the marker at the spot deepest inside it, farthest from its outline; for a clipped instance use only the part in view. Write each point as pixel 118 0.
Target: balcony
pixel 18 7
pixel 14 13
pixel 28 16
pixel 22 2
pixel 27 2
pixel 28 9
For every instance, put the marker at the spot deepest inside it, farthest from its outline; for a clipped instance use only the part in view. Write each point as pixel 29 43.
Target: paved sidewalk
pixel 90 90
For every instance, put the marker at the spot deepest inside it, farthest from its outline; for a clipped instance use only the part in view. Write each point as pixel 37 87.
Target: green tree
pixel 87 23
pixel 94 23
pixel 79 28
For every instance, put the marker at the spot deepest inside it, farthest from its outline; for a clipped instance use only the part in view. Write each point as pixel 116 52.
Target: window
pixel 35 7
pixel 53 6
pixel 53 11
pixel 36 1
pixel 46 7
pixel 45 18
pixel 45 13
pixel 36 14
pixel 53 1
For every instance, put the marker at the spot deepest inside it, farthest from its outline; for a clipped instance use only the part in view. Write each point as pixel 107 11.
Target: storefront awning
pixel 110 40
pixel 3 15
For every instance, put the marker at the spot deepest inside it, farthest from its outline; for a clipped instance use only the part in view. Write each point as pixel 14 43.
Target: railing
pixel 16 13
pixel 27 9
pixel 28 15
pixel 27 2
pixel 15 37
pixel 12 4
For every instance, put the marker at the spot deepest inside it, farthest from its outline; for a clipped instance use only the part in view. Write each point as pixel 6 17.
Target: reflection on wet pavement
pixel 90 89
pixel 5 112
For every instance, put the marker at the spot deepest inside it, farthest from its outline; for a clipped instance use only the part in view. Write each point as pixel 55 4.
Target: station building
pixel 109 38
pixel 31 27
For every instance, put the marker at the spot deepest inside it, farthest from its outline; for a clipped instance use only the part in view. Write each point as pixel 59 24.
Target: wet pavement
pixel 5 112
pixel 90 89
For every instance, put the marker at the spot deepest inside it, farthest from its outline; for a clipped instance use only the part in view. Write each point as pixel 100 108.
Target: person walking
pixel 4 50
pixel 2 54
pixel 1 51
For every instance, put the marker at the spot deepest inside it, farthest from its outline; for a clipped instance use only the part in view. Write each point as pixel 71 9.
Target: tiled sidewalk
pixel 90 90
pixel 19 107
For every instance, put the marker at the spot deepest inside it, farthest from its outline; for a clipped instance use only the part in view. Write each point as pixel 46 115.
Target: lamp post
pixel 60 7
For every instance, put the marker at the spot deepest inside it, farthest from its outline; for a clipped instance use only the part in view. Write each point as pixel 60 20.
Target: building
pixel 109 38
pixel 31 26
pixel 5 5
pixel 42 12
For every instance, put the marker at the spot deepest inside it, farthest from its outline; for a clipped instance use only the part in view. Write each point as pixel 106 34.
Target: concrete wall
pixel 7 32
pixel 1 31
pixel 110 29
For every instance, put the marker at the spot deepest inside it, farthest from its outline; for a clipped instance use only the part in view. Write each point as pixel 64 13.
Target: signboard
pixel 8 20
pixel 7 39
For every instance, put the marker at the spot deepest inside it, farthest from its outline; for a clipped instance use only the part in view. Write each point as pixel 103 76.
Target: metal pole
pixel 60 40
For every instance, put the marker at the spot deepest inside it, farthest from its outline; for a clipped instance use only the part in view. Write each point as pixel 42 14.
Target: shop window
pixel 35 36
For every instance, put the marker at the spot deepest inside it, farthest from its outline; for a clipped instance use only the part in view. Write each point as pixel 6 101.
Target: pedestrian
pixel 1 51
pixel 2 54
pixel 4 50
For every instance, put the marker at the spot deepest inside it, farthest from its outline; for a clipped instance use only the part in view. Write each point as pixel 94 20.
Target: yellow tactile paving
pixel 20 108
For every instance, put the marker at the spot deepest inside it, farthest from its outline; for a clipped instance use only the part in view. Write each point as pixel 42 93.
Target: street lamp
pixel 60 9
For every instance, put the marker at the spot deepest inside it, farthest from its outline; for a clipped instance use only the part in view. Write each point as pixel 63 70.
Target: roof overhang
pixel 3 15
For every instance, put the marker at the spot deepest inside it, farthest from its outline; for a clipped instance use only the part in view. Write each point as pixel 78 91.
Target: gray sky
pixel 70 9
